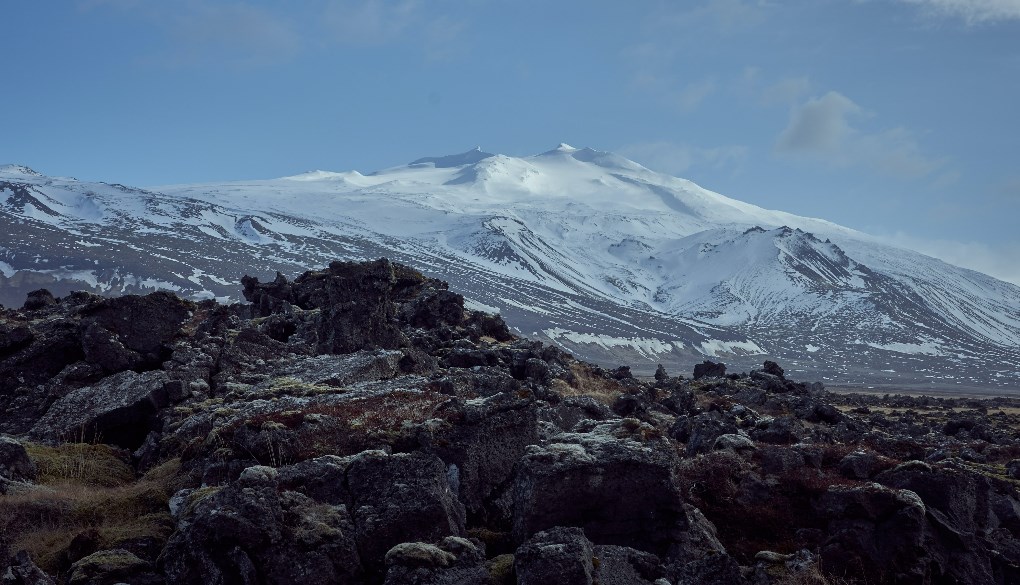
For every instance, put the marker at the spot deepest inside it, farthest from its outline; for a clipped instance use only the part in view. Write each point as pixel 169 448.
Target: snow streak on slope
pixel 586 248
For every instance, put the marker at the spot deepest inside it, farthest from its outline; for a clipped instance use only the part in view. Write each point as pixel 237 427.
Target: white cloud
pixel 691 95
pixel 675 159
pixel 826 129
pixel 241 33
pixel 214 32
pixel 369 21
pixel 786 91
pixel 971 11
pixel 726 16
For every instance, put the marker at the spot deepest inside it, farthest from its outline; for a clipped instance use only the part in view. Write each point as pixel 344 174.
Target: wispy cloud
pixel 245 33
pixel 675 159
pixel 971 12
pixel 690 96
pixel 826 129
pixel 369 21
pixel 725 16
pixel 787 91
pixel 242 34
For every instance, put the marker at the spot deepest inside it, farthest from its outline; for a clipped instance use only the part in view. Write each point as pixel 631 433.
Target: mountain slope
pixel 616 262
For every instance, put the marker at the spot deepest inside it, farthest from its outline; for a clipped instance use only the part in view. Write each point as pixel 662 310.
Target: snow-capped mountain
pixel 615 262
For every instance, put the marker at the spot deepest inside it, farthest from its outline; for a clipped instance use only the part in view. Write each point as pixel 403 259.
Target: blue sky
pixel 896 117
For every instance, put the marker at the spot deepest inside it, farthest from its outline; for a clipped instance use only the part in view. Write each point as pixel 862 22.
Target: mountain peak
pixel 470 157
pixel 18 170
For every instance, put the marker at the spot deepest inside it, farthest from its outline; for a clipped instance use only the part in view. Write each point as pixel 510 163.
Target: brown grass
pixel 340 428
pixel 587 383
pixel 81 464
pixel 76 497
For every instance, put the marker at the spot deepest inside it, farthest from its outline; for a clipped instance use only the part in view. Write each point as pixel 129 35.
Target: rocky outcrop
pixel 359 425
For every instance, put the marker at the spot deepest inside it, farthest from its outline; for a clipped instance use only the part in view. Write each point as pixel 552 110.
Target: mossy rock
pixel 501 570
pixel 111 566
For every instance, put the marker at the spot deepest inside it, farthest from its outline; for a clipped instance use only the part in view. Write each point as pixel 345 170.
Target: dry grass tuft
pixel 81 464
pixel 76 496
pixel 587 383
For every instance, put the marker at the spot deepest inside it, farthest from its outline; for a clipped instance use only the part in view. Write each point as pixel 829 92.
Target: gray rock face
pixel 116 410
pixel 15 464
pixel 484 446
pixel 401 497
pixel 618 565
pixel 23 571
pixel 619 489
pixel 557 555
pixel 874 530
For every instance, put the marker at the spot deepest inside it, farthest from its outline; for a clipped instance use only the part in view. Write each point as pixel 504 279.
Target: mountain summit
pixel 615 262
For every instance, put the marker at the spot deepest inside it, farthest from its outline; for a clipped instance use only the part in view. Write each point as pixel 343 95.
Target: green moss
pixel 501 570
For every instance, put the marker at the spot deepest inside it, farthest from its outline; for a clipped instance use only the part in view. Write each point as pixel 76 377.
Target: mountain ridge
pixel 578 246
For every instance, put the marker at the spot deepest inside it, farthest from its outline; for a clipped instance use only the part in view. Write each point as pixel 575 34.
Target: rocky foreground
pixel 358 425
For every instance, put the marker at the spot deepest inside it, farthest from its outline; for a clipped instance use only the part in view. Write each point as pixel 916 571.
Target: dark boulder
pixel 874 532
pixel 482 446
pixel 557 555
pixel 14 337
pixel 252 532
pixel 120 410
pixel 400 497
pixel 773 369
pixel 133 329
pixel 699 432
pixel 709 369
pixel 593 480
pixel 38 299
pixel 15 464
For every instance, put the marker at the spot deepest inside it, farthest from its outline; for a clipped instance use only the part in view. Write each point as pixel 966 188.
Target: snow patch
pixel 473 305
pixel 720 348
pixel 928 347
pixel 647 347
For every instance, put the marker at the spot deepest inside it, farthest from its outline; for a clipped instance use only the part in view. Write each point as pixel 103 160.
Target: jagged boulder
pixel 133 331
pixel 614 482
pixel 120 410
pixel 22 571
pixel 400 497
pixel 709 369
pixel 252 531
pixel 963 508
pixel 482 446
